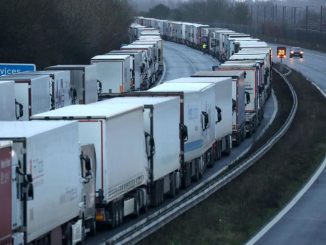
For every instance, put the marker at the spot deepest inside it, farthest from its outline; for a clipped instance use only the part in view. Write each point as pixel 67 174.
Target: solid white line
pixel 163 75
pixel 288 207
pixel 317 87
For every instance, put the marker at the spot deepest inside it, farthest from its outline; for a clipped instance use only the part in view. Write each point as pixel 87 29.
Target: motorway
pixel 182 61
pixel 312 65
pixel 305 222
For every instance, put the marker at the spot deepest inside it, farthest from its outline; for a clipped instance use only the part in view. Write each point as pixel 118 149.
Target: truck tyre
pixel 120 217
pixel 92 227
pixel 196 176
pixel 172 184
pixel 67 234
pixel 136 208
pixel 228 147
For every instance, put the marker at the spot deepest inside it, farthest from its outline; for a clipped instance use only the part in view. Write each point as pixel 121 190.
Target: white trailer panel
pixel 32 92
pixel 117 131
pixel 60 87
pixel 113 71
pixel 55 170
pixel 251 80
pixel 83 82
pixel 223 101
pixel 161 120
pixel 238 95
pixel 137 63
pixel 7 101
pixel 198 98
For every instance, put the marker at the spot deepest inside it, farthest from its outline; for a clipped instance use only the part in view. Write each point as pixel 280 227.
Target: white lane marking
pixel 317 87
pixel 288 207
pixel 163 75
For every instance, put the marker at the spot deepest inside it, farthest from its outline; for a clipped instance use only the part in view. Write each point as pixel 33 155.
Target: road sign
pixel 281 52
pixel 12 68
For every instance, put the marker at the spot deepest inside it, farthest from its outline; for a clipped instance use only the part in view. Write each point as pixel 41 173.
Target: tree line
pixel 203 11
pixel 47 32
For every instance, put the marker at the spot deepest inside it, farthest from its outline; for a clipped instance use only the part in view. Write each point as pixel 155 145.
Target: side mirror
pixel 245 75
pixel 99 86
pixel 73 95
pixel 247 98
pixel 214 68
pixel 183 132
pixel 205 120
pixel 30 192
pixel 150 145
pixel 86 167
pixel 234 105
pixel 29 178
pixel 219 114
pixel 19 110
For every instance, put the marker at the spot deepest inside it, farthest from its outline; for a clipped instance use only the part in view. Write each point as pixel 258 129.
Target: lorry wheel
pixel 136 209
pixel 120 213
pixel 67 235
pixel 228 147
pixel 196 176
pixel 92 227
pixel 114 215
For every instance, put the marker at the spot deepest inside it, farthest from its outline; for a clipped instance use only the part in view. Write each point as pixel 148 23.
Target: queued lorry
pixel 83 82
pixel 261 61
pixel 8 110
pixel 160 49
pixel 113 72
pixel 267 64
pixel 61 93
pixel 252 70
pixel 161 120
pixel 148 58
pixel 155 44
pixel 239 100
pixel 32 94
pixel 137 66
pixel 32 210
pixel 221 112
pixel 198 116
pixel 120 178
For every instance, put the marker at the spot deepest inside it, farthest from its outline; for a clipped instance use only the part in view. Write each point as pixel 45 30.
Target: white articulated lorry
pixel 32 94
pixel 7 101
pixel 136 65
pixel 238 100
pixel 221 109
pixel 83 81
pixel 113 72
pixel 161 123
pixel 42 184
pixel 267 64
pixel 148 57
pixel 198 112
pixel 60 89
pixel 261 60
pixel 117 132
pixel 159 54
pixel 252 70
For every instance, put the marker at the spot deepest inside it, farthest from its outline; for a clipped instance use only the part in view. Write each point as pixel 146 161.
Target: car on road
pixel 296 51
